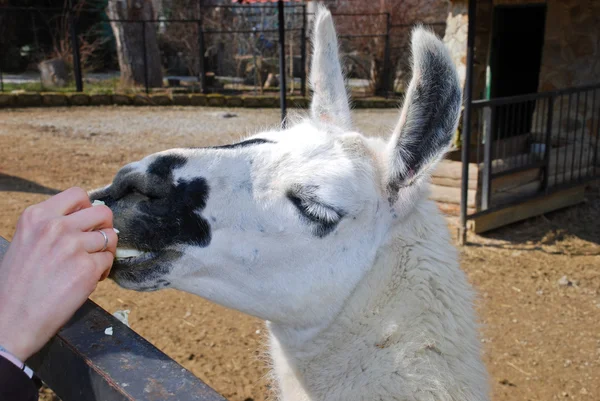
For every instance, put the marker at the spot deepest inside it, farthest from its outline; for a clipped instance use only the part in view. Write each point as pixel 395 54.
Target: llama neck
pixel 407 332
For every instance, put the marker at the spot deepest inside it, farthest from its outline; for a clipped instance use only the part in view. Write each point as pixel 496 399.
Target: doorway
pixel 515 60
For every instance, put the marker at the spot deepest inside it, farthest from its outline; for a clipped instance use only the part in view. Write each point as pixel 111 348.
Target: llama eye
pixel 322 213
pixel 315 211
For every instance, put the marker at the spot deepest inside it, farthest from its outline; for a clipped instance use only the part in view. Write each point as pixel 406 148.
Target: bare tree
pixel 62 46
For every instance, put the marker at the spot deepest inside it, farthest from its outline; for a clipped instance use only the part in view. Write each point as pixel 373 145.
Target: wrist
pixel 10 357
pixel 17 348
pixel 15 361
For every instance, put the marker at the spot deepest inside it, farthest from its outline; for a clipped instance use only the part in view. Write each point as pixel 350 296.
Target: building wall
pixel 571 54
pixel 455 37
pixel 570 58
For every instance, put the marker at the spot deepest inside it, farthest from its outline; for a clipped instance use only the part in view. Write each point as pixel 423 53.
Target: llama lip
pixel 131 256
pixel 126 253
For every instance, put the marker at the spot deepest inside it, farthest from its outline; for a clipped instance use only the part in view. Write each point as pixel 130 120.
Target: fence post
pixel 282 90
pixel 145 57
pixel 201 50
pixel 550 116
pixel 386 58
pixel 303 53
pixel 489 117
pixel 595 156
pixel 466 131
pixel 1 75
pixel 1 62
pixel 76 55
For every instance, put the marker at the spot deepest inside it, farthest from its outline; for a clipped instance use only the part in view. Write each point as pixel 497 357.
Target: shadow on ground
pixel 554 232
pixel 10 183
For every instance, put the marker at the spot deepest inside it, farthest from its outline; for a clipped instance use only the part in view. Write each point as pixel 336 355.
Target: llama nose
pixel 132 180
pixel 102 195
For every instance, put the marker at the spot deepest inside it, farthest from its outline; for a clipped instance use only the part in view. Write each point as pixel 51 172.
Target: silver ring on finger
pixel 105 240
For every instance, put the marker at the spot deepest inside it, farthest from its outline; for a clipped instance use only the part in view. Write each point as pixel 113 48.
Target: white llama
pixel 325 234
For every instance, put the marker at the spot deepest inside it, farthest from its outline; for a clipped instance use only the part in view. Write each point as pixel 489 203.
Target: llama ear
pixel 429 115
pixel 330 101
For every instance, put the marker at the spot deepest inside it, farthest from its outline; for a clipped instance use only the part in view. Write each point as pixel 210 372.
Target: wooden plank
pixel 522 191
pixel 452 209
pixel 451 182
pixel 527 209
pixel 451 195
pixel 557 158
pixel 508 182
pixel 453 169
pixel 512 146
pixel 511 194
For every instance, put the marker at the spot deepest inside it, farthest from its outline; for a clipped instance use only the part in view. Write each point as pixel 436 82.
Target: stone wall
pixel 571 58
pixel 571 55
pixel 455 37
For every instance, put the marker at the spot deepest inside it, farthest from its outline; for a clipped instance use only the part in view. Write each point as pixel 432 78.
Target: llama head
pixel 284 224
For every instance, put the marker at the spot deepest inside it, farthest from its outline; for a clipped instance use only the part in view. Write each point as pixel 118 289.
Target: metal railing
pixel 199 40
pixel 531 145
pixel 83 363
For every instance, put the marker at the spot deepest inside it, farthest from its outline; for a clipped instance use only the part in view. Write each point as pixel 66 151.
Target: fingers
pixel 93 241
pixel 102 264
pixel 92 218
pixel 66 202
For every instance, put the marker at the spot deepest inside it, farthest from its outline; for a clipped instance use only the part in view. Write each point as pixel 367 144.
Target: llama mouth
pixel 131 256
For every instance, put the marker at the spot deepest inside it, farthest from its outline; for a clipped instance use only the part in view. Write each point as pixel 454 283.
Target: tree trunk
pixel 136 66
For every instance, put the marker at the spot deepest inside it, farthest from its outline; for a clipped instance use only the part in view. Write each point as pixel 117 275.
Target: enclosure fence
pixel 532 145
pixel 209 49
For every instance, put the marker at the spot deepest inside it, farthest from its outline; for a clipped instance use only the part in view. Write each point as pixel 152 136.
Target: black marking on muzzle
pixel 174 219
pixel 163 166
pixel 154 212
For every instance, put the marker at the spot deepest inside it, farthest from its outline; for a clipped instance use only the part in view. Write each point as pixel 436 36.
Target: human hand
pixel 53 264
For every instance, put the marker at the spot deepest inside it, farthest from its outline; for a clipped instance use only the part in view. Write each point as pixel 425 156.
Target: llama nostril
pixel 102 197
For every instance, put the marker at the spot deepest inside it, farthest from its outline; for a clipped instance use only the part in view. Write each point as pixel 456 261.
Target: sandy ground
pixel 541 339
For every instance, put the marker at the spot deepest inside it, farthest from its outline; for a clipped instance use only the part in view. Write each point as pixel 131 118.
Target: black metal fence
pixel 531 145
pixel 210 49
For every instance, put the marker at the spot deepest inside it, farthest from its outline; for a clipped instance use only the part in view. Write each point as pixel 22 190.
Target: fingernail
pixel 116 231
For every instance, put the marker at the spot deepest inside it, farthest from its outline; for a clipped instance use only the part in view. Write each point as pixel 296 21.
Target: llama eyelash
pixel 313 210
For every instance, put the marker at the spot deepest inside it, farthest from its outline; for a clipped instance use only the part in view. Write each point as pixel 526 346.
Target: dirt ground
pixel 541 338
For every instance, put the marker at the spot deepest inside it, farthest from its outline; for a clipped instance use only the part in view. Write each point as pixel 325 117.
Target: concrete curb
pixel 54 99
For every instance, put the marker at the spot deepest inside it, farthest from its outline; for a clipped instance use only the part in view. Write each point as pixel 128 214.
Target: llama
pixel 325 234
